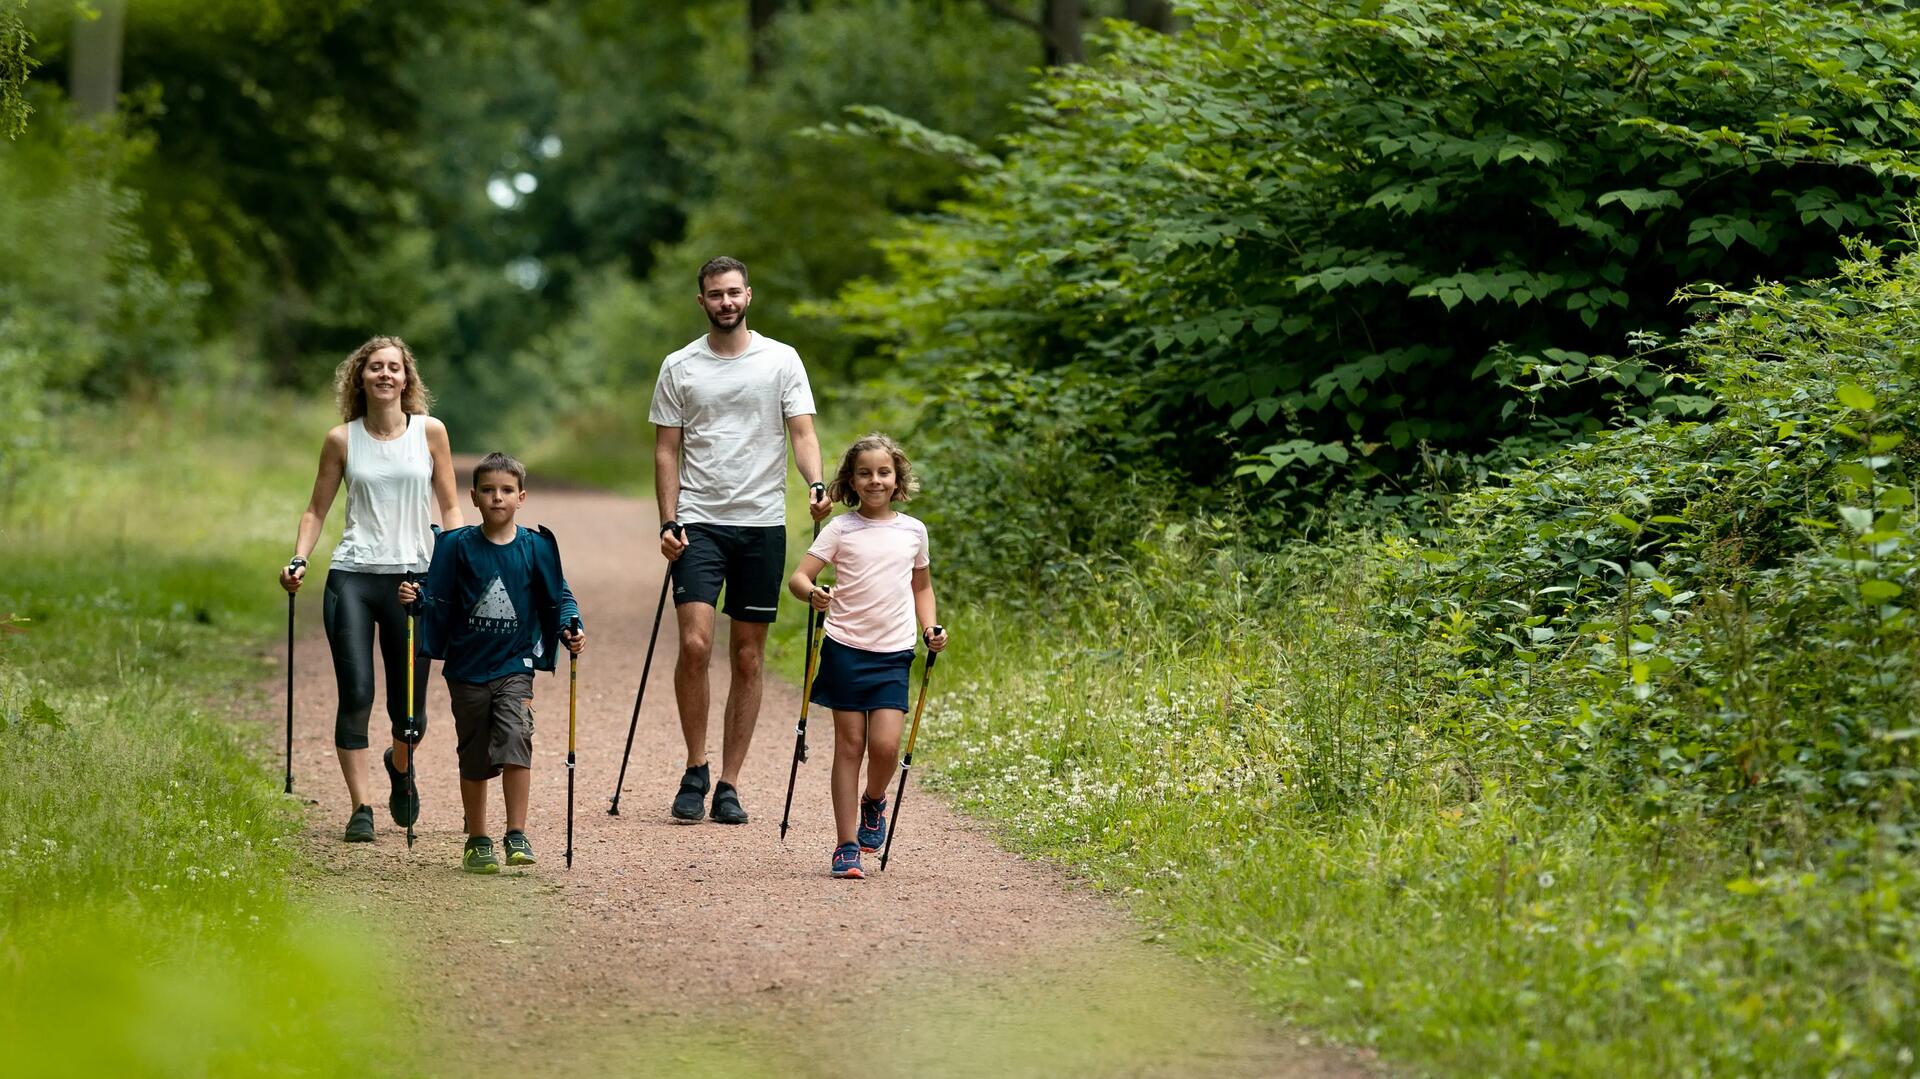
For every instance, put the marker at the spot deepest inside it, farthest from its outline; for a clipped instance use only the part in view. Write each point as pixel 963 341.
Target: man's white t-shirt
pixel 732 412
pixel 873 562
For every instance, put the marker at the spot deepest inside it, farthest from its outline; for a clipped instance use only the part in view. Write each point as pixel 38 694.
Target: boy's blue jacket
pixel 553 602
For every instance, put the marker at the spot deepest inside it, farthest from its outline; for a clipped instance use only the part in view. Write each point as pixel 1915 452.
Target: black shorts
pixel 748 560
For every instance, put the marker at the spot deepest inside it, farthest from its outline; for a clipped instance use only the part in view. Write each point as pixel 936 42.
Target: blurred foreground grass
pixel 149 878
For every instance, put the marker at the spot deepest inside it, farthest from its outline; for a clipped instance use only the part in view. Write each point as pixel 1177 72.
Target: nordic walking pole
pixel 800 732
pixel 295 564
pixel 906 761
pixel 412 735
pixel 659 610
pixel 573 697
pixel 814 618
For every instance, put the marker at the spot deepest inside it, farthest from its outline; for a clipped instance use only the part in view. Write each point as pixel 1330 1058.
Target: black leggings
pixel 355 604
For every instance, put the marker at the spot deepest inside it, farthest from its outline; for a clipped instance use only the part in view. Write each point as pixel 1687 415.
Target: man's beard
pixel 729 326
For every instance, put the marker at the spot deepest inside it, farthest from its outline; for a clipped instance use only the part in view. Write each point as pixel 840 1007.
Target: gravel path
pixel 709 949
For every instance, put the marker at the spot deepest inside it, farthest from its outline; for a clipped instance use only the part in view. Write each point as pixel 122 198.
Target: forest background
pixel 1441 474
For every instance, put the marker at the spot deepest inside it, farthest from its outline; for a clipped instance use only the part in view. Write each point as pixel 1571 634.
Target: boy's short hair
pixel 500 462
pixel 718 265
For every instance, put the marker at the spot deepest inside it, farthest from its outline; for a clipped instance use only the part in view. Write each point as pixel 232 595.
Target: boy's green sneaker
pixel 360 825
pixel 519 850
pixel 479 856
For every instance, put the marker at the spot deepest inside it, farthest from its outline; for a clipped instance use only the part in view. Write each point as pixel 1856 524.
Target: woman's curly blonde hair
pixel 351 393
pixel 905 484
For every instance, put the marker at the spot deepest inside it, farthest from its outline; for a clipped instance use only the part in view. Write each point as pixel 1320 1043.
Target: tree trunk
pixel 760 14
pixel 1152 14
pixel 94 75
pixel 1061 32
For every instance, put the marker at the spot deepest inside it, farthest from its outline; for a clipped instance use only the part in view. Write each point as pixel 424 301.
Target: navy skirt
pixel 853 680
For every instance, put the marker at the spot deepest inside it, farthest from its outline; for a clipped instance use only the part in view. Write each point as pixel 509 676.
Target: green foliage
pixel 1307 239
pixel 799 204
pixel 1717 605
pixel 85 307
pixel 1240 744
pixel 149 872
pixel 1613 774
pixel 15 66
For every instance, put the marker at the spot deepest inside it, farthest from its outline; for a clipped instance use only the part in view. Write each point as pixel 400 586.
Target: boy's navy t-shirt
pixel 494 632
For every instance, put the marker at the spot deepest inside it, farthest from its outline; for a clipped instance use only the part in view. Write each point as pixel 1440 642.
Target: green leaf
pixel 41 714
pixel 1877 591
pixel 1854 397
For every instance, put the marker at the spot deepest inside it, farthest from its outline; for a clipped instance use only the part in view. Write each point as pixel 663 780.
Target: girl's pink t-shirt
pixel 873 562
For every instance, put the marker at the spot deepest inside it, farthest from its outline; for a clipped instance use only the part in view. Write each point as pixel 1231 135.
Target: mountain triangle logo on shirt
pixel 495 610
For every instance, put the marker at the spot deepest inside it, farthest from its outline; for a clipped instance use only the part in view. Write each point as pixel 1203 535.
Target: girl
pixel 883 587
pixel 396 461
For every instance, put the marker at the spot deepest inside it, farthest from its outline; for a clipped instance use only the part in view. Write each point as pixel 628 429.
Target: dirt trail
pixel 681 949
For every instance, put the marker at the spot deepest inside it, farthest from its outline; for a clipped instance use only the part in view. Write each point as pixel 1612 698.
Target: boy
pixel 494 604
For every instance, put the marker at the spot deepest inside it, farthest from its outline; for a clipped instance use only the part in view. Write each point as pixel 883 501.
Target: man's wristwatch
pixel 670 526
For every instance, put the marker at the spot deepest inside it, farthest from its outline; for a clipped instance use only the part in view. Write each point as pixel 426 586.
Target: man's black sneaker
pixel 360 825
pixel 692 797
pixel 404 810
pixel 726 805
pixel 519 849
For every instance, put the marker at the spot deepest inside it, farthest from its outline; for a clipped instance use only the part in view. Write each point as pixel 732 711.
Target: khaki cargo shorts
pixel 494 724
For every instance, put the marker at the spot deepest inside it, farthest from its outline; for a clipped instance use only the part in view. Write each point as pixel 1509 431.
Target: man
pixel 724 409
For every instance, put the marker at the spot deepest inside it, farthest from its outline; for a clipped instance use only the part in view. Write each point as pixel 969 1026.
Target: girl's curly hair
pixel 351 394
pixel 905 484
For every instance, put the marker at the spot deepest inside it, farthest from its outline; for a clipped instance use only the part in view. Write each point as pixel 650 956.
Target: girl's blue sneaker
pixel 873 824
pixel 846 862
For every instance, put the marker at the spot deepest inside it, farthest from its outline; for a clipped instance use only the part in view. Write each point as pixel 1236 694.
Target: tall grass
pixel 1225 738
pixel 151 886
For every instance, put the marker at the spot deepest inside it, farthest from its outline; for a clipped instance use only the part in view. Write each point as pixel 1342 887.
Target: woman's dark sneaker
pixel 692 799
pixel 726 805
pixel 519 851
pixel 873 823
pixel 360 825
pixel 478 857
pixel 846 862
pixel 404 810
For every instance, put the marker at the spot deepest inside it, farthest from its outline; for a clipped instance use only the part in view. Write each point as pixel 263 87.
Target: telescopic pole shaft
pixel 573 697
pixel 659 610
pixel 289 789
pixel 800 731
pixel 906 759
pixel 412 739
pixel 814 618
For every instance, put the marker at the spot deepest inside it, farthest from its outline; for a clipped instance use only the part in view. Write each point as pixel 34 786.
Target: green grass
pixel 151 882
pixel 1254 778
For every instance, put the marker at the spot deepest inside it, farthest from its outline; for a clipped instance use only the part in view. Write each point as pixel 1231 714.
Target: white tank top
pixel 389 501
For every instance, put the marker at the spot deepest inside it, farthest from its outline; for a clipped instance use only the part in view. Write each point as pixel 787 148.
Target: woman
pixel 395 459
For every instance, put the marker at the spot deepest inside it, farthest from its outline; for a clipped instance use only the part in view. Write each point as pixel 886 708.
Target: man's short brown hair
pixel 720 264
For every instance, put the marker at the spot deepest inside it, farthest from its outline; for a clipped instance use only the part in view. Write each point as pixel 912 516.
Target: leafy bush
pixel 1327 233
pixel 1613 776
pixel 1722 604
pixel 85 307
